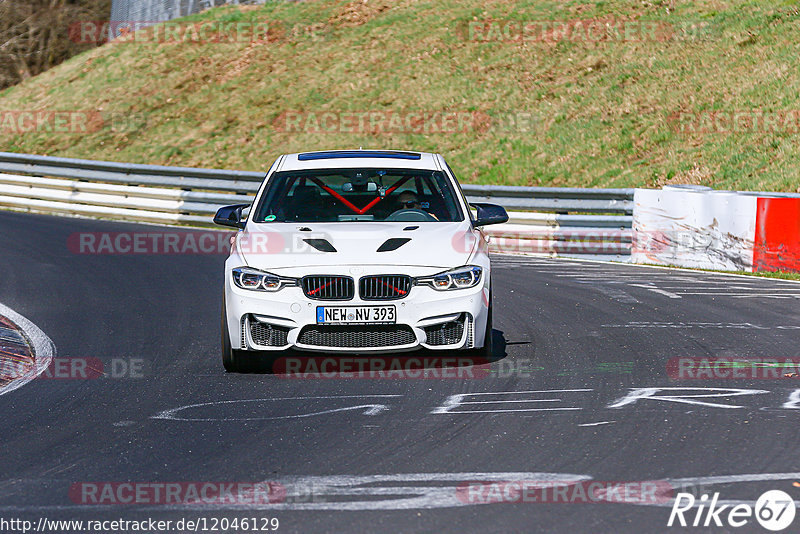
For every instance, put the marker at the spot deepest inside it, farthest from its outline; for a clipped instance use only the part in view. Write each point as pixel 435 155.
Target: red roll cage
pixel 355 209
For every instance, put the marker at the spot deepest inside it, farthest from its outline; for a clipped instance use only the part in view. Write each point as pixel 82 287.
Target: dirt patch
pixel 359 12
pixel 243 62
pixel 697 175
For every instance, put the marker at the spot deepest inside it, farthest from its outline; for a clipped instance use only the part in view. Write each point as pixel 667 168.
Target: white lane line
pixel 632 267
pixel 742 295
pixel 665 293
pixel 454 401
pixel 43 347
pixel 513 401
pixel 601 276
pixel 656 324
pixel 617 268
pixel 510 411
pixel 409 491
pixel 598 423
pixel 616 294
pixel 525 391
pixel 657 290
pixel 406 491
pixel 702 482
pixel 752 287
pixel 727 287
pixel 729 479
pixel 755 288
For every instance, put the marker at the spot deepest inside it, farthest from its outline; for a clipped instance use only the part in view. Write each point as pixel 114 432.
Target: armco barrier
pixel 545 220
pixel 689 226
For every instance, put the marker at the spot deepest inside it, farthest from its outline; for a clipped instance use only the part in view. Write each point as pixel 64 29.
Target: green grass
pixel 597 114
pixel 782 275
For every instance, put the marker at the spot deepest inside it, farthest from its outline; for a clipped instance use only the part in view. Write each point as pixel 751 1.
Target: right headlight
pixel 255 280
pixel 460 278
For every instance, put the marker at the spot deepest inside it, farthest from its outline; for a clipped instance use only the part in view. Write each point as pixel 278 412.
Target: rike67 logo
pixel 774 510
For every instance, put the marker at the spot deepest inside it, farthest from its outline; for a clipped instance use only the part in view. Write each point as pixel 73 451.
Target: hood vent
pixel 393 244
pixel 323 245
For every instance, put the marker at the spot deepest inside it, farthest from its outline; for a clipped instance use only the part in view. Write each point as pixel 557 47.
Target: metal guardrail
pixel 133 174
pixel 147 12
pixel 558 199
pixel 555 220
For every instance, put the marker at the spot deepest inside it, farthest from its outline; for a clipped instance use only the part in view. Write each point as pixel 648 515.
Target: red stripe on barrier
pixel 777 244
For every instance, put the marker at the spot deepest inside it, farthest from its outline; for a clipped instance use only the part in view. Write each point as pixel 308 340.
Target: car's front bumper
pixel 425 318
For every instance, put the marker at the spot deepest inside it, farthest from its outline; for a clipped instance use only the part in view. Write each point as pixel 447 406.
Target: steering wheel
pixel 410 215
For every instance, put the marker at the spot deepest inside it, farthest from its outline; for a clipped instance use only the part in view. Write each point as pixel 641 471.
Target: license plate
pixel 355 314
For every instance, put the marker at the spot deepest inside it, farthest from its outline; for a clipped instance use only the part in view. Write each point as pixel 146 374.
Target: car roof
pixel 342 159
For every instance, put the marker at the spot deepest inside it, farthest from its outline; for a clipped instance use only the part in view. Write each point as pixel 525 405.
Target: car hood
pixel 285 245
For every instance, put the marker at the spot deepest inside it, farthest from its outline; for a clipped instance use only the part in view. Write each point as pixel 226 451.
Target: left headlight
pixel 256 280
pixel 460 278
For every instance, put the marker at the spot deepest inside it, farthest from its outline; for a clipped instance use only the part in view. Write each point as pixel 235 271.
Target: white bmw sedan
pixel 358 251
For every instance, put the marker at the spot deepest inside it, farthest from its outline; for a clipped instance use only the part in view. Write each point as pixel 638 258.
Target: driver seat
pixel 307 203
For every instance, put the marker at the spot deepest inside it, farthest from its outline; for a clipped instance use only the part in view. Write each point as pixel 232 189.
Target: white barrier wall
pixel 692 226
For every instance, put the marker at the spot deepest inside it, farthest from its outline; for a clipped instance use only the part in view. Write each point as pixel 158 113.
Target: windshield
pixel 348 195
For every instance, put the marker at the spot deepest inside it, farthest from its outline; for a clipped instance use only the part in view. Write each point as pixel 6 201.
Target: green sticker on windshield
pixel 270 218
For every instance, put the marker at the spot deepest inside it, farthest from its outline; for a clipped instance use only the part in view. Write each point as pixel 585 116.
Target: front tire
pixel 231 359
pixel 487 351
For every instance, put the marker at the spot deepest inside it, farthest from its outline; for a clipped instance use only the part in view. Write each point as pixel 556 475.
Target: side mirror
pixel 489 214
pixel 231 216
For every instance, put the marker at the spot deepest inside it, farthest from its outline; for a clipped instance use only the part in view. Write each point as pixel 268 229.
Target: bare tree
pixel 35 35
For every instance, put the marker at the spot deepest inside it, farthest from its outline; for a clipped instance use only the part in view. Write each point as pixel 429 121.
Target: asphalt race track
pixel 577 344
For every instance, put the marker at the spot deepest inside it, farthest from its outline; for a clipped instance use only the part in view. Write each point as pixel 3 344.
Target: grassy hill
pixel 638 109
